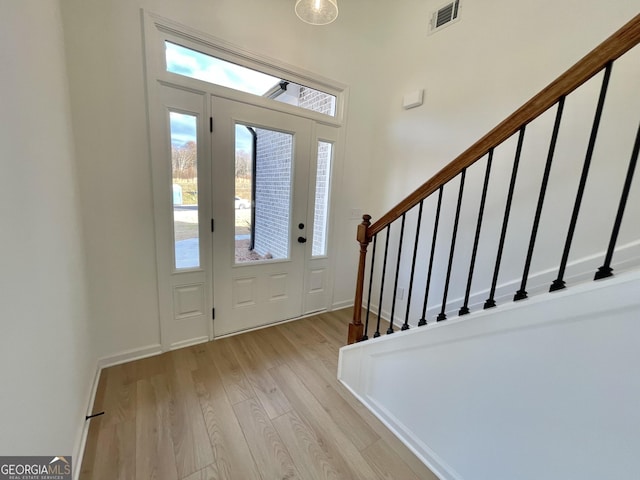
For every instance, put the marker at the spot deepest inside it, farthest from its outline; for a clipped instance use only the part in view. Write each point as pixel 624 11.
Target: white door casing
pixel 186 296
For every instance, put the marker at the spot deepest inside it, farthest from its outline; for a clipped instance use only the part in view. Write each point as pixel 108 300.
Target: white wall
pixel 475 72
pixel 47 360
pixel 546 388
pixel 105 63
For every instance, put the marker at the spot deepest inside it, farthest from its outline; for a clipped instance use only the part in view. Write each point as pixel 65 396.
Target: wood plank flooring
pixel 264 405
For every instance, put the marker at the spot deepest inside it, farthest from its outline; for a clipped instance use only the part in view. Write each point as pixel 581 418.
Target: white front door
pixel 261 175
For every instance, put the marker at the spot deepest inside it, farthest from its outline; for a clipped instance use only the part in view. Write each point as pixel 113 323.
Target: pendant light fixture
pixel 317 12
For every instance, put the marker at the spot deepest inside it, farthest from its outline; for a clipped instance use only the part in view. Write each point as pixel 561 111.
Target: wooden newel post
pixel 356 329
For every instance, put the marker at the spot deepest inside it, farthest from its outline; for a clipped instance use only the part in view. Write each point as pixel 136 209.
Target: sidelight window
pixel 184 168
pixel 321 208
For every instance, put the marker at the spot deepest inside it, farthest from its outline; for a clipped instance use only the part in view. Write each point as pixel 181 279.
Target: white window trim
pixel 158 29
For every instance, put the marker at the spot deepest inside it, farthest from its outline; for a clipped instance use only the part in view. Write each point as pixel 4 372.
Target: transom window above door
pixel 201 66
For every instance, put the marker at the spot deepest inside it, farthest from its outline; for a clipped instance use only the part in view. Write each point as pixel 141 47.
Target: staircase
pixel 417 242
pixel 511 284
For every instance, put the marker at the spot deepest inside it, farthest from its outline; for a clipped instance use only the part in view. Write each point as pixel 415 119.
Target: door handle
pixel 302 240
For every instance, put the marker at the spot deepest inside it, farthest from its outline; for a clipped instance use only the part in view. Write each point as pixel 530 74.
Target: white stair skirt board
pixel 542 388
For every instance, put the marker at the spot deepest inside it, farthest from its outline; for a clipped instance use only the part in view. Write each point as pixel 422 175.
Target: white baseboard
pixel 188 343
pixel 341 308
pixel 130 355
pixel 438 468
pixel 78 453
pixel 342 304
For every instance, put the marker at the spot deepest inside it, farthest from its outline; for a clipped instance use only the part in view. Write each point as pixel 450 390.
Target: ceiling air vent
pixel 445 16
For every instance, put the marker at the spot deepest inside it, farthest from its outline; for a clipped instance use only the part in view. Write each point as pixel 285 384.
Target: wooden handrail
pixel 615 46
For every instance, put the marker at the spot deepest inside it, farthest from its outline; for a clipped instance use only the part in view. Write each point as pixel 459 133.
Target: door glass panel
pixel 184 167
pixel 263 175
pixel 321 208
pixel 191 63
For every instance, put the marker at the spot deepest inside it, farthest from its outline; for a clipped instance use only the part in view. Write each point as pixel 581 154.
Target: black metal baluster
pixel 522 292
pixel 514 172
pixel 423 320
pixel 559 283
pixel 395 283
pixel 384 271
pixel 442 315
pixel 373 259
pixel 405 325
pixel 606 270
pixel 465 307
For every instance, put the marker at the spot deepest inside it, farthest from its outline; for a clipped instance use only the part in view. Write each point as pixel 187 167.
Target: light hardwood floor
pixel 264 405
